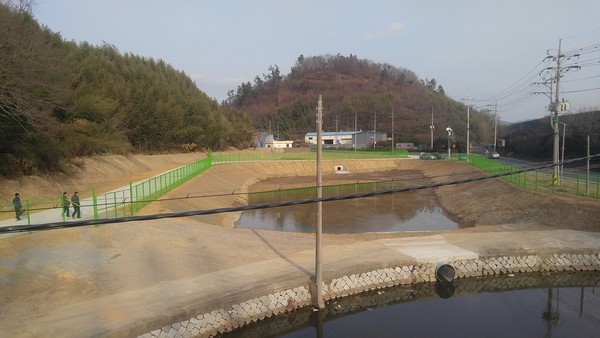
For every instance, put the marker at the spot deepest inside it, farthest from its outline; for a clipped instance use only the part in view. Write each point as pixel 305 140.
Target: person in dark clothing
pixel 76 206
pixel 17 205
pixel 65 204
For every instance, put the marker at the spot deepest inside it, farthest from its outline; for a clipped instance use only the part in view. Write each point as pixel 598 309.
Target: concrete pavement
pixel 142 311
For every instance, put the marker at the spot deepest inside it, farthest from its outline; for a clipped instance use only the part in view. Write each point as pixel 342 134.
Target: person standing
pixel 76 206
pixel 17 205
pixel 65 204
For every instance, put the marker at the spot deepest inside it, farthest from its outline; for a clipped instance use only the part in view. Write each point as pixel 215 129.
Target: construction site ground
pixel 47 277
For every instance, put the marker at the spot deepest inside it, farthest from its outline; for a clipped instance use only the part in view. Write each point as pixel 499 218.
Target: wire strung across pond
pixel 60 225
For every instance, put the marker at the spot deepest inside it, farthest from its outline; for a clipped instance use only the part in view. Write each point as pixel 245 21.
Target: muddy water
pixel 410 211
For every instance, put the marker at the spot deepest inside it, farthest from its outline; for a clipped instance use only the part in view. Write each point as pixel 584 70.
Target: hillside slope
pixel 356 92
pixel 104 173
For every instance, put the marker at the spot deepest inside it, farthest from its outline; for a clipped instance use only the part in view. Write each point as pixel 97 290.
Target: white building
pixel 266 140
pixel 278 144
pixel 347 139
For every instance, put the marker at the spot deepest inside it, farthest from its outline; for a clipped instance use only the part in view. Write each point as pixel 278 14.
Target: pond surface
pixel 529 305
pixel 406 211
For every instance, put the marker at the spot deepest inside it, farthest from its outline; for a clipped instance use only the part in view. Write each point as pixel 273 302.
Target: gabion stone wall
pixel 237 315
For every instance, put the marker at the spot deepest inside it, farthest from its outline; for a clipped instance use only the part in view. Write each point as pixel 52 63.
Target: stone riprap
pixel 237 315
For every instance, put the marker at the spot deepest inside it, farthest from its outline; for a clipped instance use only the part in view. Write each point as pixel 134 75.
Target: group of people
pixel 66 204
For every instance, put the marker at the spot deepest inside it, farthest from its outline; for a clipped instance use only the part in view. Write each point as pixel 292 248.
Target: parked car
pixel 493 155
pixel 427 156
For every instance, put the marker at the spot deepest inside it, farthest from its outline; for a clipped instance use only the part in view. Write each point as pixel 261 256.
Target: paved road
pixel 112 204
pixel 114 197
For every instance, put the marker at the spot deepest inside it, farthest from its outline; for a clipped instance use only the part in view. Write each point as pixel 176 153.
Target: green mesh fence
pixel 541 180
pixel 219 158
pixel 328 191
pixel 126 202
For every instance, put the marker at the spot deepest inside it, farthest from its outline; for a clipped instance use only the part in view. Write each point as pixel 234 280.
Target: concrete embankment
pixel 380 263
pixel 223 183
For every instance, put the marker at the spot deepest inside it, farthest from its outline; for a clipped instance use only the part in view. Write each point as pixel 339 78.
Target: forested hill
pixel 534 139
pixel 60 100
pixel 353 87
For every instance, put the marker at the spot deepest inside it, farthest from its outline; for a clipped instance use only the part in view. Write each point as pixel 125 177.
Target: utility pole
pixel 495 124
pixel 558 105
pixel 374 130
pixel 562 161
pixel 318 269
pixel 336 132
pixel 432 127
pixel 587 172
pixel 355 134
pixel 393 139
pixel 468 103
pixel 555 120
pixel 555 126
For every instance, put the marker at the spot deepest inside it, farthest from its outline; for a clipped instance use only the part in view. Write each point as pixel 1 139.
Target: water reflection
pixel 526 305
pixel 414 211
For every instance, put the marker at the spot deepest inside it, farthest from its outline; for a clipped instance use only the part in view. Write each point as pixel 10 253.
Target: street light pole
pixel 449 130
pixel 468 102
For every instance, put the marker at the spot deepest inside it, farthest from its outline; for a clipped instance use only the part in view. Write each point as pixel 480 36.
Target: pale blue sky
pixel 478 48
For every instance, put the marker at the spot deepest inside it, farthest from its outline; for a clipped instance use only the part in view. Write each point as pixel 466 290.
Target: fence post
pixel 131 198
pixel 105 205
pixel 95 203
pixel 156 189
pixel 27 211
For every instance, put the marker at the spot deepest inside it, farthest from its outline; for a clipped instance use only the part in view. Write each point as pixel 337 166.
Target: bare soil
pixel 44 270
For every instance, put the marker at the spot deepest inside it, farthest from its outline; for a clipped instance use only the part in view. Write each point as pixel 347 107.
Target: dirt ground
pixel 44 270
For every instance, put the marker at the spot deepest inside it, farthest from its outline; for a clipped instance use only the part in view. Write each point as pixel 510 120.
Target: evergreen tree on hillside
pixel 59 100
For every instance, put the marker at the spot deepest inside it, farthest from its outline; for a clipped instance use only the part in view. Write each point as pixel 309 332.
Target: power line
pixel 524 89
pixel 192 195
pixel 581 90
pixel 61 225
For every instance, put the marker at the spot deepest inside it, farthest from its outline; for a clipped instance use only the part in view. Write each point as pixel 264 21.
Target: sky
pixel 486 53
